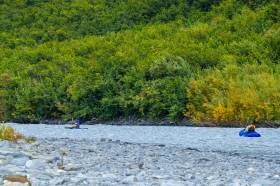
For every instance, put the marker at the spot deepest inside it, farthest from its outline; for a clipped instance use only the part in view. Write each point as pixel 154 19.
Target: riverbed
pixel 142 156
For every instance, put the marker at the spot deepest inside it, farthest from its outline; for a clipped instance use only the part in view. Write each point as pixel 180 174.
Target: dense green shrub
pixel 109 59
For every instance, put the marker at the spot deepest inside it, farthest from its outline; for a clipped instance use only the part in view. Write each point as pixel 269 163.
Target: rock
pixel 16 181
pixel 77 180
pixel 2 162
pixel 35 164
pixel 51 172
pixel 40 175
pixel 109 176
pixel 11 152
pixel 129 179
pixel 12 168
pixel 159 177
pixel 210 177
pixel 276 176
pixel 141 165
pixel 58 181
pixel 63 151
pixel 172 183
pixel 19 161
pixel 251 169
pixel 72 167
pixel 49 159
pixel 7 144
pixel 8 183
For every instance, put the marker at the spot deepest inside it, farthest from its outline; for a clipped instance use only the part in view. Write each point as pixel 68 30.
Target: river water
pixel 224 140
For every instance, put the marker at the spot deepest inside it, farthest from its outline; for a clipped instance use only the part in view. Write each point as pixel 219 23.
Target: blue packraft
pixel 251 134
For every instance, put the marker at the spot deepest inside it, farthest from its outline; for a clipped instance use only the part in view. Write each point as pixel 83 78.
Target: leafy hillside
pixel 212 61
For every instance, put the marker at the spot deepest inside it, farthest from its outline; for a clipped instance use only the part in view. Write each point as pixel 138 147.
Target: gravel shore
pixel 141 156
pixel 107 162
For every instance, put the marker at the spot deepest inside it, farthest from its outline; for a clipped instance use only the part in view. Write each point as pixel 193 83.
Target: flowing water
pixel 224 140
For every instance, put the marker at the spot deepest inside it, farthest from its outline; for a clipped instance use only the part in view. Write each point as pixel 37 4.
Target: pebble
pixel 72 167
pixel 35 164
pixel 93 163
pixel 129 179
pixel 19 161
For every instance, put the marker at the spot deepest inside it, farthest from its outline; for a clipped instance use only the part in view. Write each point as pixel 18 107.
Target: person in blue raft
pixel 75 124
pixel 249 131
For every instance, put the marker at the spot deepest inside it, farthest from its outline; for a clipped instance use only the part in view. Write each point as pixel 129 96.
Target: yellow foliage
pixel 227 96
pixel 8 133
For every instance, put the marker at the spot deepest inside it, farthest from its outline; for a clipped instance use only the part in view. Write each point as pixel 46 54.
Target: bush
pixel 8 133
pixel 235 94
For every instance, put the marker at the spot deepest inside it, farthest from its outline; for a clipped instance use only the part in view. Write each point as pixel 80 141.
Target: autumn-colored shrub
pixel 235 94
pixel 8 133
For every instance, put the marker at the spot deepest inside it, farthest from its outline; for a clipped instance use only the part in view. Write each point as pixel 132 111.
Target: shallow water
pixel 204 139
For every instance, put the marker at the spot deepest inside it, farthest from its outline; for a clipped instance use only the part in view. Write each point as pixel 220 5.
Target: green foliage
pixel 30 139
pixel 107 59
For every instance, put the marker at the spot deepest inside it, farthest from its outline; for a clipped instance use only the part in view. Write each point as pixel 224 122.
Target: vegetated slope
pixel 31 22
pixel 209 61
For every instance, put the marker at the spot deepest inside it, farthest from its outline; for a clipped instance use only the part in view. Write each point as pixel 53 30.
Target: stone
pixel 7 144
pixel 141 176
pixel 129 179
pixel 172 183
pixel 2 162
pixel 251 169
pixel 16 181
pixel 72 167
pixel 19 161
pixel 49 159
pixel 11 152
pixel 276 176
pixel 58 181
pixel 12 168
pixel 159 177
pixel 52 172
pixel 35 164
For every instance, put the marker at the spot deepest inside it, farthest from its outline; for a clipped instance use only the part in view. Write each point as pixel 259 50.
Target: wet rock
pixel 276 176
pixel 72 167
pixel 3 161
pixel 172 183
pixel 49 159
pixel 129 180
pixel 12 168
pixel 160 177
pixel 11 152
pixel 141 176
pixel 35 164
pixel 19 161
pixel 58 181
pixel 7 144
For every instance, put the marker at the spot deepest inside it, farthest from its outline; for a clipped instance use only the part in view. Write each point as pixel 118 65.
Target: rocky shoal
pixel 106 162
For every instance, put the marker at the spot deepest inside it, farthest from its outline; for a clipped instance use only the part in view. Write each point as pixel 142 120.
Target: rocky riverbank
pixel 107 162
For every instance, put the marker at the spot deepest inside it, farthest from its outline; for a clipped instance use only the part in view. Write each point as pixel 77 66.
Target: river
pixel 224 140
